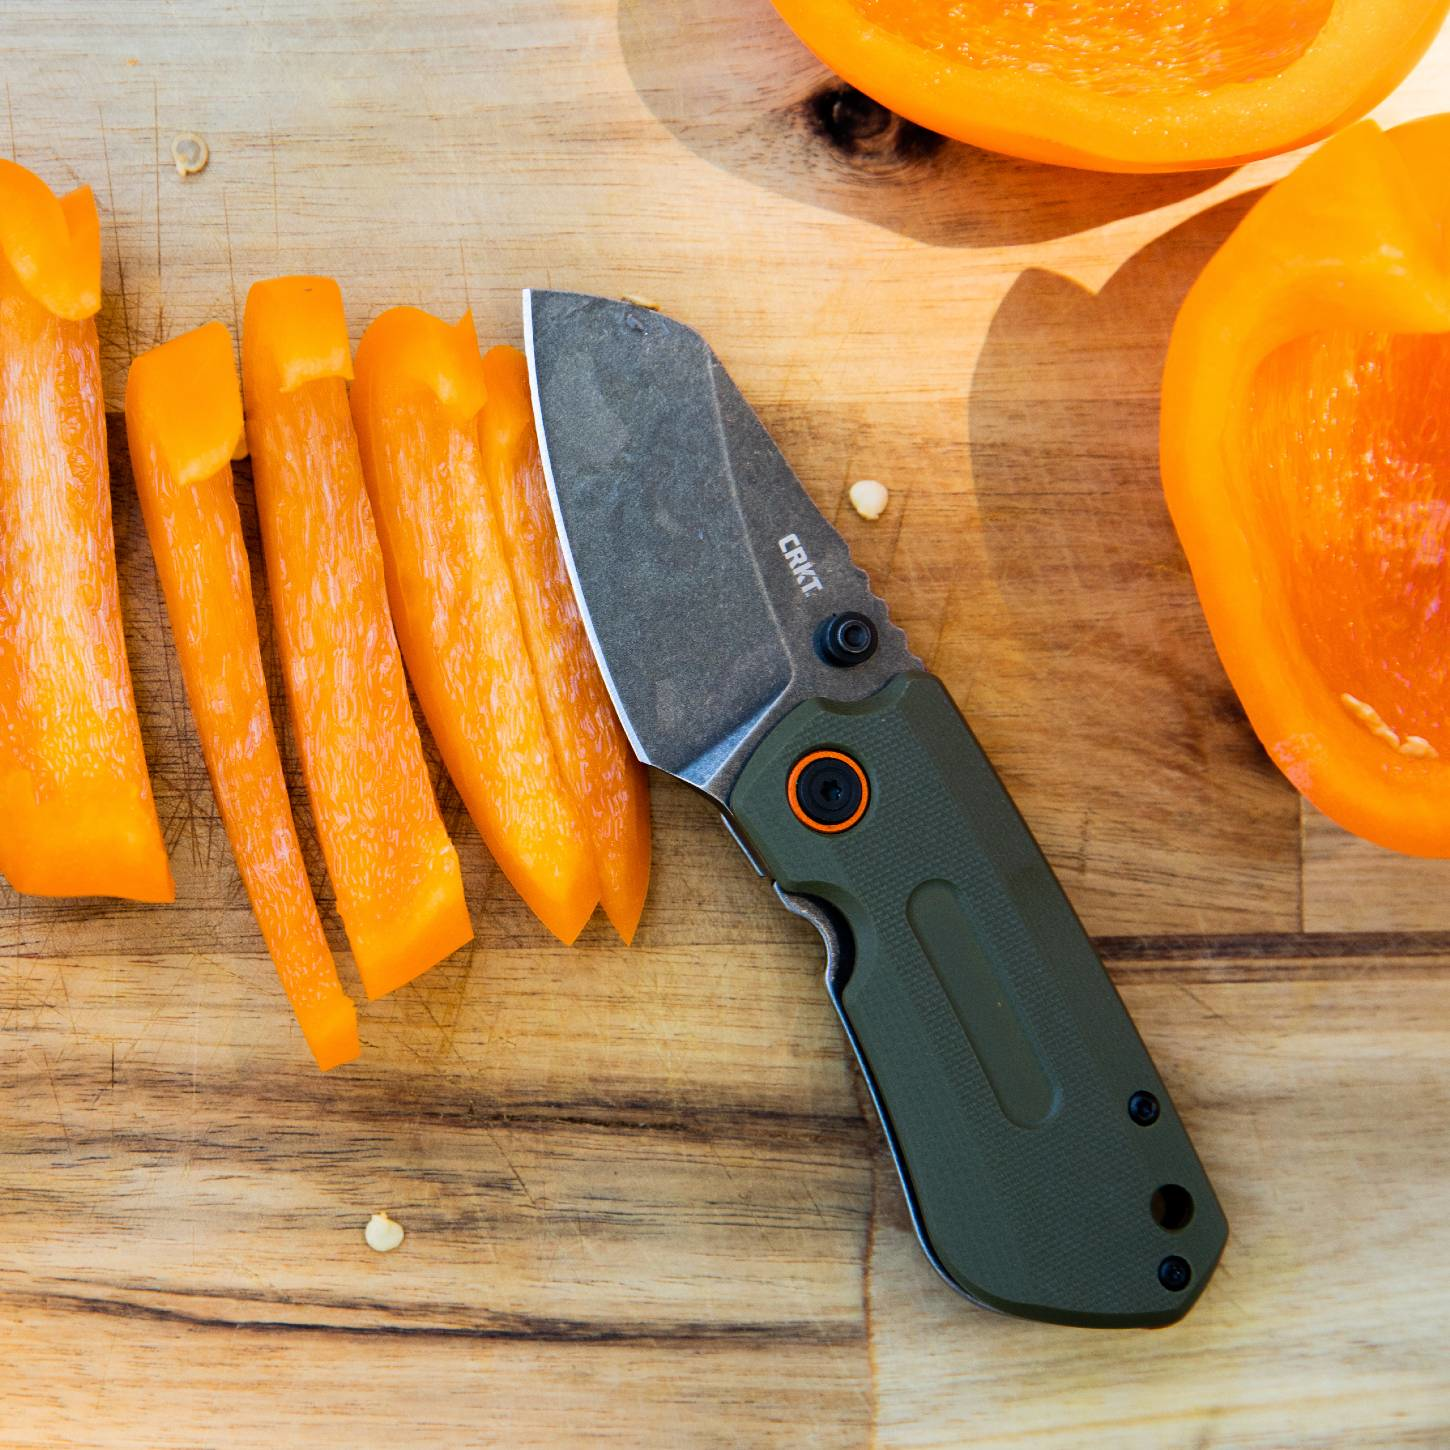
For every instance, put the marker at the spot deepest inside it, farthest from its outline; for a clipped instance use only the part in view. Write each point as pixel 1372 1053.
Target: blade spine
pixel 562 532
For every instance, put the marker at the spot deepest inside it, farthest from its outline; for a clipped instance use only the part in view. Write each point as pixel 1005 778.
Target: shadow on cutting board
pixel 1106 690
pixel 735 86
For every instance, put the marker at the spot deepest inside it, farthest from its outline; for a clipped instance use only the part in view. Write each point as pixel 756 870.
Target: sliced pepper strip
pixel 77 816
pixel 1306 464
pixel 183 423
pixel 396 874
pixel 416 400
pixel 611 790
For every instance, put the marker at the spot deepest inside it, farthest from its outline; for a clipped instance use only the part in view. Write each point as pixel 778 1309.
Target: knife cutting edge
pixel 1045 1168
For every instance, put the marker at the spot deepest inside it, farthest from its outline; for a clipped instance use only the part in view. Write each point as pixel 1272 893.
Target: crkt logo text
pixel 800 564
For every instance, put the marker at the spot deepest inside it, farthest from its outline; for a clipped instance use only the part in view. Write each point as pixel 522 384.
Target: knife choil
pixel 1046 1170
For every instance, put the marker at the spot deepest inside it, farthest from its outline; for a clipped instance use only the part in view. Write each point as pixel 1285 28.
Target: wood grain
pixel 1327 1321
pixel 644 1203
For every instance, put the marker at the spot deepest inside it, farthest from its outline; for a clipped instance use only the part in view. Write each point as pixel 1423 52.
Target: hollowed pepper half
pixel 1306 459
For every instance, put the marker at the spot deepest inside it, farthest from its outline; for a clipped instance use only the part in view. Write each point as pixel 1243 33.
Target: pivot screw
pixel 1143 1109
pixel 828 791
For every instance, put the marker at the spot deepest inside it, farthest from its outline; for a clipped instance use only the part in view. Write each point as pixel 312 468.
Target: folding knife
pixel 1046 1171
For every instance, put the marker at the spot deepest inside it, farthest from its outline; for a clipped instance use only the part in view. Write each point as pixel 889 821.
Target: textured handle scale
pixel 999 1053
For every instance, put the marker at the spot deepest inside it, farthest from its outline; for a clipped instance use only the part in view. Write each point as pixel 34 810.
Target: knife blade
pixel 1045 1168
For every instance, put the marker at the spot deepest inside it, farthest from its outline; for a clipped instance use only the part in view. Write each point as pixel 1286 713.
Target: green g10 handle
pixel 1046 1169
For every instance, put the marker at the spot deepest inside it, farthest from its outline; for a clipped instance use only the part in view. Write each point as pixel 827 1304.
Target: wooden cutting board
pixel 644 1202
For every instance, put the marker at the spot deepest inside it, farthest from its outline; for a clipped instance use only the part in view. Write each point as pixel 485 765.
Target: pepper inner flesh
pixel 1113 49
pixel 1349 435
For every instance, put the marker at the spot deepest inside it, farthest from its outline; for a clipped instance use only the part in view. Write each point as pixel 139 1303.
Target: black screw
pixel 1174 1274
pixel 830 790
pixel 846 639
pixel 1143 1109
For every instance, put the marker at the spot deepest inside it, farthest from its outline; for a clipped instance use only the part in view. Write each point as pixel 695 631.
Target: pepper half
pixel 1181 85
pixel 398 883
pixel 184 423
pixel 1306 461
pixel 611 790
pixel 420 386
pixel 77 816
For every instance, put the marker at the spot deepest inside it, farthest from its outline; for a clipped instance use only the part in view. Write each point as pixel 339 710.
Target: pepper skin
pixel 611 789
pixel 396 874
pixel 416 401
pixel 77 816
pixel 183 424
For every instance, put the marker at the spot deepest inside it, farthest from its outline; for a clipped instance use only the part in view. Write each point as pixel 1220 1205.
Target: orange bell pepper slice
pixel 77 816
pixel 396 874
pixel 611 790
pixel 1178 86
pixel 183 424
pixel 416 400
pixel 1306 461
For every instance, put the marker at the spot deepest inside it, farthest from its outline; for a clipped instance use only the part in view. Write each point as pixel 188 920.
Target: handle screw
pixel 1143 1109
pixel 846 639
pixel 1174 1274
